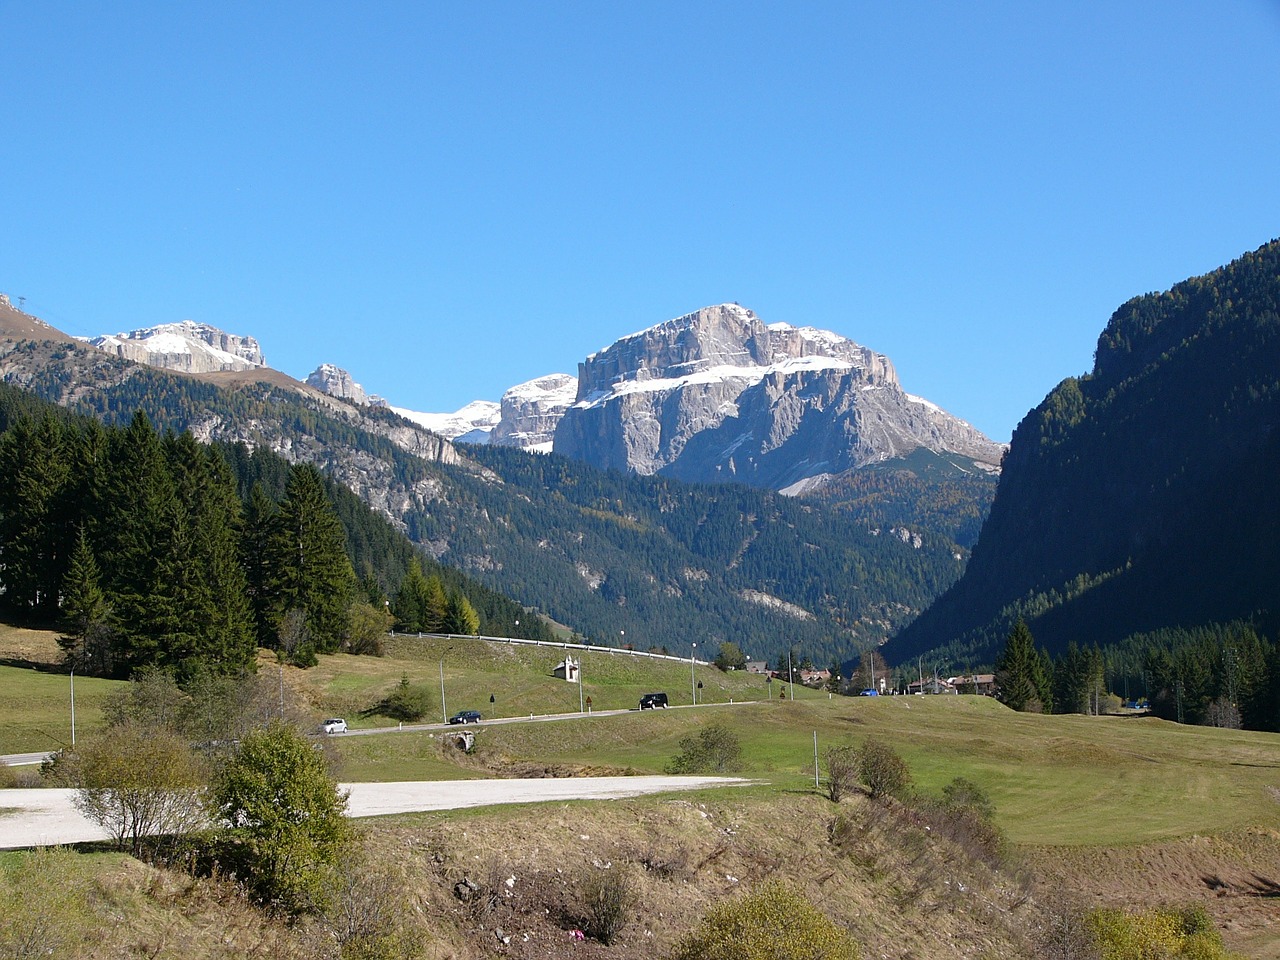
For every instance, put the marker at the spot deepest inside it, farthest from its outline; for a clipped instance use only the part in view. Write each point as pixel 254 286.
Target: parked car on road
pixel 466 716
pixel 336 725
pixel 651 701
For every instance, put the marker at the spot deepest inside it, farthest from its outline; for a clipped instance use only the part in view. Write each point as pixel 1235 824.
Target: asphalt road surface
pixel 39 818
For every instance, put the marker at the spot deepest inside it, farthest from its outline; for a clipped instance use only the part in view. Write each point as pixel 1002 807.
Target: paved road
pixel 27 759
pixel 36 818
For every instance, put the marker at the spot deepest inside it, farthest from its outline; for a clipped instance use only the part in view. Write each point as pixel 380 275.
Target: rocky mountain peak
pixel 336 382
pixel 187 346
pixel 531 411
pixel 719 395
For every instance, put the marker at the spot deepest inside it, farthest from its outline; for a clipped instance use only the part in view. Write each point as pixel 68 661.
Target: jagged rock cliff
pixel 338 383
pixel 532 411
pixel 188 346
pixel 719 395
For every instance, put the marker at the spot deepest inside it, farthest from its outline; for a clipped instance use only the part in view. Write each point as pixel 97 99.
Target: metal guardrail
pixel 557 644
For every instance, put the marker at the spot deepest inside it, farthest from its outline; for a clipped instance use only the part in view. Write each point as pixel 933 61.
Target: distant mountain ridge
pixel 717 395
pixel 187 346
pixel 670 563
pixel 713 396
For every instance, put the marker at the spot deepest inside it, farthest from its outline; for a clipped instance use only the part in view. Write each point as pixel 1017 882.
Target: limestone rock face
pixel 187 346
pixel 718 395
pixel 532 411
pixel 338 383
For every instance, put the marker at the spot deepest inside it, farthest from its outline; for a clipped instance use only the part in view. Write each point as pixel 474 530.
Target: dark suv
pixel 651 701
pixel 466 716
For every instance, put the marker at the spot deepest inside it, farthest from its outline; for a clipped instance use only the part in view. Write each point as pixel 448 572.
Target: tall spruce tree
pixel 461 617
pixel 1020 674
pixel 412 601
pixel 36 537
pixel 255 557
pixel 310 569
pixel 86 614
pixel 214 599
pixel 135 533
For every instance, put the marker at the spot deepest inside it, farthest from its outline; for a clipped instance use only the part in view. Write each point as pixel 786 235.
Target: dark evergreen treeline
pixel 1222 675
pixel 1140 497
pixel 152 550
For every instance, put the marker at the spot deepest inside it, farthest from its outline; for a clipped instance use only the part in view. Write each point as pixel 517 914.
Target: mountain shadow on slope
pixel 1141 495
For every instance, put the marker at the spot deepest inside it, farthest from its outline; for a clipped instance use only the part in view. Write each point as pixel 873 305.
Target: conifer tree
pixel 461 616
pixel 435 616
pixel 136 529
pixel 86 614
pixel 35 535
pixel 255 557
pixel 413 601
pixel 310 569
pixel 210 590
pixel 1020 673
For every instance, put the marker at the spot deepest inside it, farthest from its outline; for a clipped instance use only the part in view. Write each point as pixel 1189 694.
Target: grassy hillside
pixel 1129 811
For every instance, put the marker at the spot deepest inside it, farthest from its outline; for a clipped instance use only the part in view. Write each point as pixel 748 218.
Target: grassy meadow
pixel 1055 780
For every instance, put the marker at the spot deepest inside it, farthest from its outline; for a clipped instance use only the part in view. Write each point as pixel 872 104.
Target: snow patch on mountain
pixel 186 346
pixel 470 424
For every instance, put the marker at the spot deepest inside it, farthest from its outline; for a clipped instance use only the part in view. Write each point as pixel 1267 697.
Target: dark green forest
pixel 153 550
pixel 1222 675
pixel 1138 499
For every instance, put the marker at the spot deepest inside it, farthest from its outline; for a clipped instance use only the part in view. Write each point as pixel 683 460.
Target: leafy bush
pixel 409 701
pixel 140 783
pixel 285 829
pixel 716 749
pixel 773 923
pixel 883 771
pixel 1156 934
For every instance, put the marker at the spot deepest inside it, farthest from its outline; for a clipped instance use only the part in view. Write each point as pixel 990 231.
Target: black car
pixel 466 716
pixel 651 701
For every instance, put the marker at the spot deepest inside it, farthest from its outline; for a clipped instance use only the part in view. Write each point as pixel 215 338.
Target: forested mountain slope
pixel 670 564
pixel 1141 495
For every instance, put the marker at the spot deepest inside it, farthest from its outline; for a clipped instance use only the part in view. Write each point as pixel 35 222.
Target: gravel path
pixel 32 818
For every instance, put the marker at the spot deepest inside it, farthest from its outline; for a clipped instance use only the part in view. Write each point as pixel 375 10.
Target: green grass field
pixel 1057 780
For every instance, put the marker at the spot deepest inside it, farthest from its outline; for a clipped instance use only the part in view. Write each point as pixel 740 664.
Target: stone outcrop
pixel 532 411
pixel 718 395
pixel 336 382
pixel 188 347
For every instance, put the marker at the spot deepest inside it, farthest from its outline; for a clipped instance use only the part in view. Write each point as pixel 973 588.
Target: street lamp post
pixel 693 687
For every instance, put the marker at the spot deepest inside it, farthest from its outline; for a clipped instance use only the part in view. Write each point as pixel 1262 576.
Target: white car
pixel 336 725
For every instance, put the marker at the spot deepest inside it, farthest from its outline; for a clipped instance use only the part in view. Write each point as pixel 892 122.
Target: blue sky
pixel 448 199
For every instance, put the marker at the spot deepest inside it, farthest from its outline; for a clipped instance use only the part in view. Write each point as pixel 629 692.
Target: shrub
pixel 1160 933
pixel 409 701
pixel 883 771
pixel 140 782
pixel 773 923
pixel 285 828
pixel 716 749
pixel 842 771
pixel 608 896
